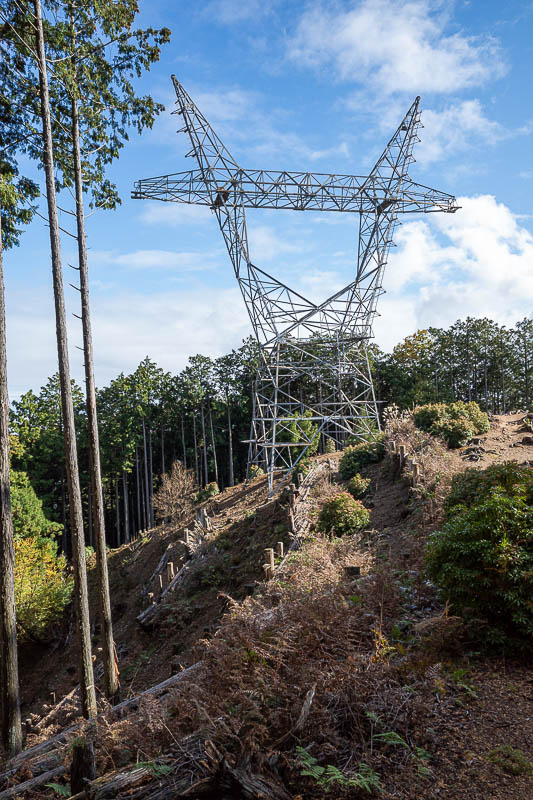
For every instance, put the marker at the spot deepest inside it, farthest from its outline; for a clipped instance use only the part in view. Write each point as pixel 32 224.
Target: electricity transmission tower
pixel 314 380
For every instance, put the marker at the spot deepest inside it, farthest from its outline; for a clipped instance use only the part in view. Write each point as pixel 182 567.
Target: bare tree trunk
pixel 81 600
pixel 151 474
pixel 139 520
pixel 126 506
pixel 90 514
pixel 204 441
pixel 213 444
pixel 117 513
pixel 9 681
pixel 195 450
pixel 148 515
pixel 108 650
pixel 230 445
pixel 183 443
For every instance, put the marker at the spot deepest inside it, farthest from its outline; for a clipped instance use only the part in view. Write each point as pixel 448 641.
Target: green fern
pixel 326 777
pixel 62 789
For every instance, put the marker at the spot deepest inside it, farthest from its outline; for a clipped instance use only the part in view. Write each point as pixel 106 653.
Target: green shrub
pixel 456 423
pixel 299 428
pixel 473 485
pixel 358 486
pixel 342 515
pixel 360 455
pixel 482 558
pixel 330 446
pixel 42 588
pixel 28 515
pixel 209 490
pixel 256 471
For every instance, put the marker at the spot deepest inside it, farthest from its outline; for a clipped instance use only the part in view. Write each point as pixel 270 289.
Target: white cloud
pixel 477 262
pixel 455 129
pixel 157 259
pixel 174 214
pixel 394 45
pixel 266 245
pixel 168 326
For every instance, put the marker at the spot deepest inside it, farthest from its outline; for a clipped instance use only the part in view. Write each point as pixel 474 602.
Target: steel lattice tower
pixel 314 374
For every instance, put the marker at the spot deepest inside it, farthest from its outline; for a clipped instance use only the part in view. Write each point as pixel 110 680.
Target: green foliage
pixel 28 515
pixel 482 558
pixel 42 588
pixel 509 760
pixel 330 446
pixel 358 486
pixel 256 471
pixel 155 769
pixel 297 430
pixel 472 485
pixel 210 490
pixel 62 789
pixel 456 423
pixel 342 515
pixel 360 455
pixel 328 776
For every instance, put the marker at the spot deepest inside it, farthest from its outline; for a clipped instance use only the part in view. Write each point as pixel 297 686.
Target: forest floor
pixel 316 657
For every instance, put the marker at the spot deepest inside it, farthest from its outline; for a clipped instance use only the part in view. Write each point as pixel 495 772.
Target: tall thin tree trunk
pixel 111 686
pixel 90 514
pixel 64 539
pixel 126 506
pixel 213 445
pixel 117 513
pixel 81 599
pixel 230 444
pixel 139 520
pixel 151 475
pixel 183 442
pixel 9 680
pixel 162 450
pixel 206 472
pixel 148 515
pixel 195 450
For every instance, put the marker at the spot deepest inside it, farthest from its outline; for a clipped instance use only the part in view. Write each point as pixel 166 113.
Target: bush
pixel 256 471
pixel 297 430
pixel 343 515
pixel 174 499
pixel 456 423
pixel 330 446
pixel 42 588
pixel 209 490
pixel 28 515
pixel 473 485
pixel 360 455
pixel 358 486
pixel 482 558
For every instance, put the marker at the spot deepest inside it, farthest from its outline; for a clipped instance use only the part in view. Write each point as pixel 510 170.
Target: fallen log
pixel 33 783
pixel 62 738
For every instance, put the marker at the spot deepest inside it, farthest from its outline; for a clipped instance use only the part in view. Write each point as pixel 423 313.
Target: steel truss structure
pixel 314 381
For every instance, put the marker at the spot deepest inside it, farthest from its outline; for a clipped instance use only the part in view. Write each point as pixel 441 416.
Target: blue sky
pixel 318 87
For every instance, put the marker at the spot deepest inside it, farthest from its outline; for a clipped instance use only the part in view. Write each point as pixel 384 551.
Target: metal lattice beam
pixel 322 346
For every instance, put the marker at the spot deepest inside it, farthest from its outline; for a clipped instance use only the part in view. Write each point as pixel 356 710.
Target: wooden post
pixel 393 446
pixel 266 570
pixel 83 767
pixel 401 451
pixel 269 553
pixel 279 549
pixel 170 571
pixel 161 581
pixel 416 472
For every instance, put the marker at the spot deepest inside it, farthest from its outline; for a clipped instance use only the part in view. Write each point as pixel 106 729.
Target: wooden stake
pixel 266 570
pixel 170 571
pixel 279 549
pixel 269 553
pixel 161 581
pixel 401 450
pixel 416 472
